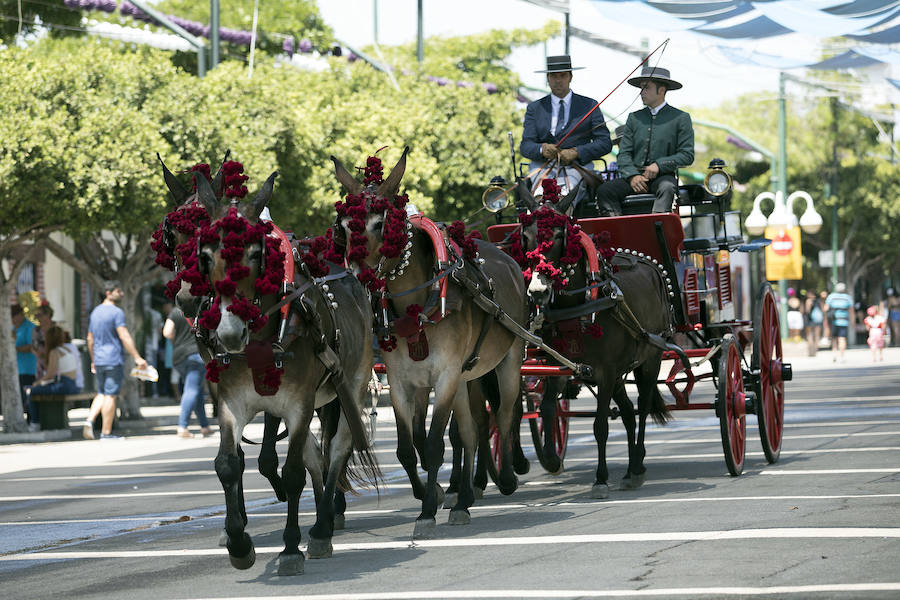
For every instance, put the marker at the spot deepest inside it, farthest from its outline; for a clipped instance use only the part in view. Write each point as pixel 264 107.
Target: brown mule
pixel 451 341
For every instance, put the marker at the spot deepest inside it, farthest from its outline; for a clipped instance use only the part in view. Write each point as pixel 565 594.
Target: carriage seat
pixel 638 204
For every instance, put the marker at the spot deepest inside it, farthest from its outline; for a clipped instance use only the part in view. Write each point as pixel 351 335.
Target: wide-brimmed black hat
pixel 617 136
pixel 657 74
pixel 559 64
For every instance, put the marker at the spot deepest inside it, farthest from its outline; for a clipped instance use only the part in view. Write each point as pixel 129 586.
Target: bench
pixel 54 408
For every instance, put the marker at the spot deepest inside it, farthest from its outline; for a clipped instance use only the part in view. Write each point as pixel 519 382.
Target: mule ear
pixel 351 185
pixel 175 188
pixel 525 199
pixel 263 196
pixel 218 182
pixel 206 195
pixel 589 177
pixel 565 205
pixel 391 185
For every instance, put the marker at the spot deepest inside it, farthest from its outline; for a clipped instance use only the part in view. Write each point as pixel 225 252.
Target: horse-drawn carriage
pixel 451 314
pixel 692 248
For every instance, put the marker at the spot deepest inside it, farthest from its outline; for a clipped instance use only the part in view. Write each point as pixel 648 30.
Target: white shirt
pixel 554 106
pixel 653 111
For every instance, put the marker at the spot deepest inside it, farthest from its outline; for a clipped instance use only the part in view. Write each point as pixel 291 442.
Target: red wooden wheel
pixel 769 384
pixel 534 392
pixel 730 405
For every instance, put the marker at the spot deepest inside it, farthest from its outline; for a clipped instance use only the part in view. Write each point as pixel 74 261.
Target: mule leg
pixel 600 489
pixel 508 416
pixel 466 432
pixel 483 446
pixel 456 444
pixel 290 560
pixel 444 393
pixel 268 458
pixel 230 470
pixel 626 413
pixel 553 387
pixel 649 398
pixel 406 452
pixel 340 507
pixel 340 448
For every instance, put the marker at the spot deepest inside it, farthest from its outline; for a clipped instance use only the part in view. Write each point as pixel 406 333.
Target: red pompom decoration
pixel 594 330
pixel 387 344
pixel 213 369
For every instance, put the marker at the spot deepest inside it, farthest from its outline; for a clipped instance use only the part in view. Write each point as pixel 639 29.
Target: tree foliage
pixel 37 15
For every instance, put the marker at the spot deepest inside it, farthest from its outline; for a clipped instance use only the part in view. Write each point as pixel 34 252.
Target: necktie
pixel 560 118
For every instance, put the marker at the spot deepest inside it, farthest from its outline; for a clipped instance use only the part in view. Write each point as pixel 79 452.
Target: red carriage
pixel 694 246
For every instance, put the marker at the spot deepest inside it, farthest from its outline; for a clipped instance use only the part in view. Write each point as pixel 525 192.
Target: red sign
pixel 782 244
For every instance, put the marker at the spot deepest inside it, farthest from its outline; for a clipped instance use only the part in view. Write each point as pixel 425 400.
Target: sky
pixel 708 77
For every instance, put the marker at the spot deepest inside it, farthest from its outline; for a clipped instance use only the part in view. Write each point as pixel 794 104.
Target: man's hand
pixel 140 362
pixel 549 151
pixel 639 184
pixel 568 156
pixel 651 171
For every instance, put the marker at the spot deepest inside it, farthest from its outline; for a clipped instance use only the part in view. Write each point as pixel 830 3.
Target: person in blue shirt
pixel 840 308
pixel 25 358
pixel 107 338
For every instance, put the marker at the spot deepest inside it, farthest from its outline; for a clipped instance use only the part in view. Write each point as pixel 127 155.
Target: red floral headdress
pixel 547 219
pixel 358 207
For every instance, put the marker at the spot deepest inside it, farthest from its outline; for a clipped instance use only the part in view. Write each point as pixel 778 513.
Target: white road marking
pixel 477 507
pixel 693 592
pixel 818 533
pixel 826 471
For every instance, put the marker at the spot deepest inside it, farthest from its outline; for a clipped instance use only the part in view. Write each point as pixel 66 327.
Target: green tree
pixel 25 17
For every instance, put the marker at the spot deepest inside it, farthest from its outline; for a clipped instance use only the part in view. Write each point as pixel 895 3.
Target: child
pixel 875 324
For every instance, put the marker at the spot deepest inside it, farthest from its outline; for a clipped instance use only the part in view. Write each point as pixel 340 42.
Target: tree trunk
pixel 13 414
pixel 129 399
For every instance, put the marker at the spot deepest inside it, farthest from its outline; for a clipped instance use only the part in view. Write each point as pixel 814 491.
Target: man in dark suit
pixel 658 139
pixel 554 117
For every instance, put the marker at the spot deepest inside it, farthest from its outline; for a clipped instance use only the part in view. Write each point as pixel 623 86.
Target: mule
pixel 451 338
pixel 331 358
pixel 169 239
pixel 619 333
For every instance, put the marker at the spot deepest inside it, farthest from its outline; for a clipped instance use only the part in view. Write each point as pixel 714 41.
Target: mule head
pixel 231 256
pixel 350 229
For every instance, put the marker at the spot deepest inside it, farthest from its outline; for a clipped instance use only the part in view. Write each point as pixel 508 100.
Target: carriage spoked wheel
pixel 731 405
pixel 767 361
pixel 534 392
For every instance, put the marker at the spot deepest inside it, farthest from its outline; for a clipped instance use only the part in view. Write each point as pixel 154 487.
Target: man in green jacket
pixel 658 140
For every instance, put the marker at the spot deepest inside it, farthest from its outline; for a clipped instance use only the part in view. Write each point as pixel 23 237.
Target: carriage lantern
pixel 496 197
pixel 718 182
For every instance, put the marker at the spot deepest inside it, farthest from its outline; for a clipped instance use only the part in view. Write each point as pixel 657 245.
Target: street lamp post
pixel 782 215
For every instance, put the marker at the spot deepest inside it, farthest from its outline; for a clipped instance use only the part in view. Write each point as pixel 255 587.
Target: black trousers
pixel 610 195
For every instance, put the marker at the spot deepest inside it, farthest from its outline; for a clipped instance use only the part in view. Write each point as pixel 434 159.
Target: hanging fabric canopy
pixel 872 21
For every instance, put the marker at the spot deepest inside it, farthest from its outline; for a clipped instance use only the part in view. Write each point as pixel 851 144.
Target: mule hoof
pixel 460 517
pixel 508 487
pixel 425 528
pixel 521 467
pixel 633 482
pixel 290 564
pixel 450 499
pixel 319 548
pixel 600 491
pixel 553 464
pixel 244 562
pixel 339 521
pixel 223 538
pixel 440 493
pixel 479 493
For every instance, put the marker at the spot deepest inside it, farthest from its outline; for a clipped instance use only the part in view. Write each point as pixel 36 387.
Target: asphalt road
pixel 140 518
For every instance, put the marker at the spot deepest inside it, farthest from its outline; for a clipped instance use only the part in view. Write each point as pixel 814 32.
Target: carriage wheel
pixel 493 465
pixel 534 392
pixel 768 385
pixel 730 405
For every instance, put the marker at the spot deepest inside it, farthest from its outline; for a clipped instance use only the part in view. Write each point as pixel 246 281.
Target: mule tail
pixel 362 468
pixel 659 412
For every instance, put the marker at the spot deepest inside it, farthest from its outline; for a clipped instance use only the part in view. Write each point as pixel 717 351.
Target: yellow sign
pixel 783 255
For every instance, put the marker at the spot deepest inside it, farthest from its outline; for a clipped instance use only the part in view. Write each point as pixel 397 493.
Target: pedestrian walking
pixel 876 325
pixel 186 360
pixel 107 338
pixel 893 313
pixel 815 317
pixel 840 306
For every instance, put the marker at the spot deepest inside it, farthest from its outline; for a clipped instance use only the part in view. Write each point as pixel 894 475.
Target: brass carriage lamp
pixel 496 196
